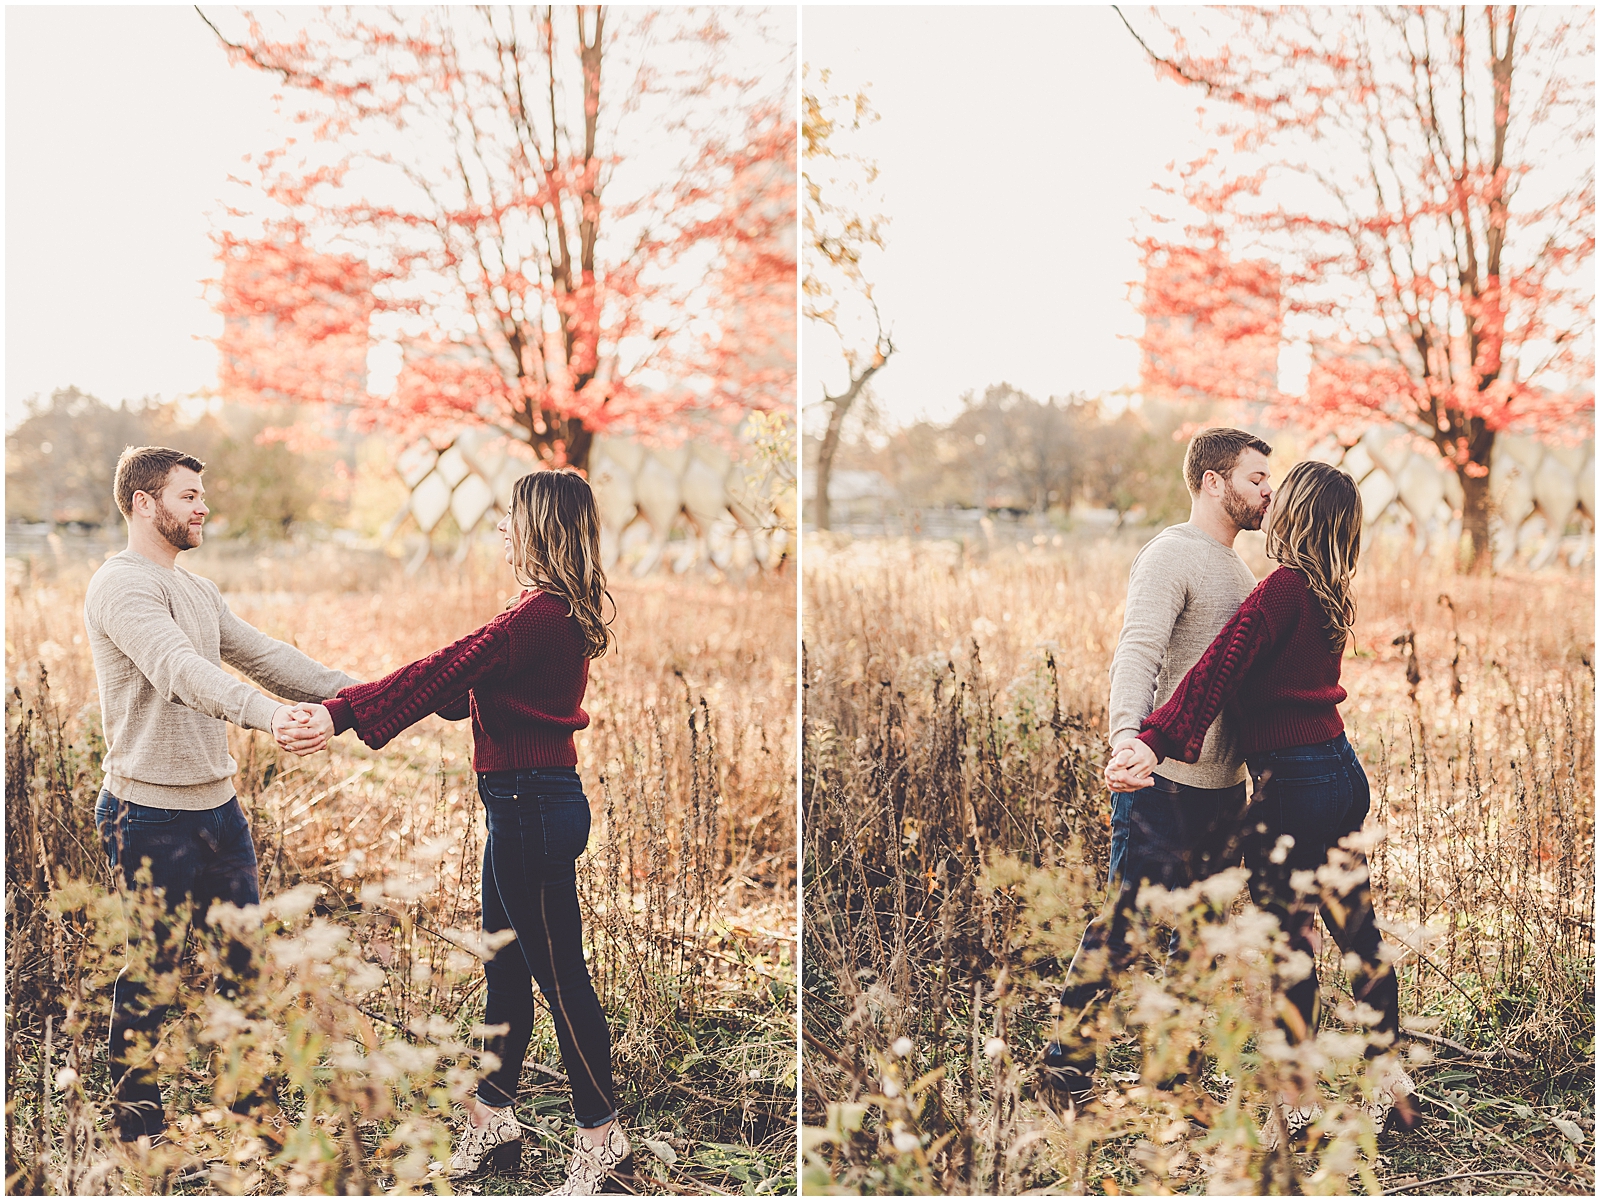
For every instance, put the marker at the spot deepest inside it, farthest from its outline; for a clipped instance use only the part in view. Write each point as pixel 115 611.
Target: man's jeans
pixel 1168 834
pixel 1172 835
pixel 538 822
pixel 194 855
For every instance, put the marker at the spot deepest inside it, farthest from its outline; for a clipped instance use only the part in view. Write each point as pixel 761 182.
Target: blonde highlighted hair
pixel 1314 526
pixel 555 547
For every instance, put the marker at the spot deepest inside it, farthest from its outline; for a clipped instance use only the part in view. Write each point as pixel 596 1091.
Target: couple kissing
pixel 1217 678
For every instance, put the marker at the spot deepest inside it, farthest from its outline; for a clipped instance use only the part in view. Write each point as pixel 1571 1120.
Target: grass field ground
pixel 955 840
pixel 688 888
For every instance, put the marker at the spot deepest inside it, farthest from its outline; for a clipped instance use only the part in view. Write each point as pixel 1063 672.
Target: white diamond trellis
pixel 713 506
pixel 1536 489
pixel 470 501
pixel 430 500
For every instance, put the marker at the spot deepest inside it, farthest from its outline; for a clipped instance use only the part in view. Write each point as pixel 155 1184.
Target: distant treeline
pixel 267 470
pixel 1006 450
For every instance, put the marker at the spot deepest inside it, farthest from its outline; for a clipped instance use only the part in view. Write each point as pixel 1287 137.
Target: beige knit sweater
pixel 159 636
pixel 1183 588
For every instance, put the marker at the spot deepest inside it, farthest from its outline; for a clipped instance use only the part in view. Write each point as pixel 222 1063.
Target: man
pixel 1185 584
pixel 159 636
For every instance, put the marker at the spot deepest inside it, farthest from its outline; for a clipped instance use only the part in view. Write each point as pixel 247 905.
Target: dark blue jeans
pixel 1317 795
pixel 538 823
pixel 1172 835
pixel 198 856
pixel 1168 834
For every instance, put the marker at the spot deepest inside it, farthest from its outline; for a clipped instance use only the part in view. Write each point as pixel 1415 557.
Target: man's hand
pixel 302 729
pixel 1132 767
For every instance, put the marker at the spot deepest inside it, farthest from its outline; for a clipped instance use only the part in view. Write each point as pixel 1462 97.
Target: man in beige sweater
pixel 1181 825
pixel 159 635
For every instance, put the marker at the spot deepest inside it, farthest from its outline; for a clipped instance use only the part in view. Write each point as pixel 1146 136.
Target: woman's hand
pixel 302 729
pixel 1132 767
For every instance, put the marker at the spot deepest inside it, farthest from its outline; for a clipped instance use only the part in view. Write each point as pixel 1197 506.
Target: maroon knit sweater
pixel 521 677
pixel 1273 669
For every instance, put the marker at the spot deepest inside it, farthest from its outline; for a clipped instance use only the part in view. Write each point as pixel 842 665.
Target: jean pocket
pixel 499 787
pixel 149 815
pixel 566 826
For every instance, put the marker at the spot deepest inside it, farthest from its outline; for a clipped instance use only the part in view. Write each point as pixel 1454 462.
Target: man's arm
pixel 1156 596
pixel 140 625
pixel 276 666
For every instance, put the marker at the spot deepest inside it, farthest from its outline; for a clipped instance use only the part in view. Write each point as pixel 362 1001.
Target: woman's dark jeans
pixel 196 855
pixel 1317 795
pixel 538 823
pixel 1172 835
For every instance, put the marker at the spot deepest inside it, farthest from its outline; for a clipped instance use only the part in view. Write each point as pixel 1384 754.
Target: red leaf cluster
pixel 1407 191
pixel 472 193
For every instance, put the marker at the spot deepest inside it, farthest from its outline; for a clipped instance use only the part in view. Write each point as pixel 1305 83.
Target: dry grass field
pixel 955 840
pixel 369 993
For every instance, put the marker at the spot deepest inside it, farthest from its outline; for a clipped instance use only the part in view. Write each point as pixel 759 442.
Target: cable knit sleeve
pixel 1178 729
pixel 457 710
pixel 438 683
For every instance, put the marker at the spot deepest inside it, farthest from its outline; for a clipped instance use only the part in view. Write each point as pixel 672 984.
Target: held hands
pixel 302 729
pixel 1132 767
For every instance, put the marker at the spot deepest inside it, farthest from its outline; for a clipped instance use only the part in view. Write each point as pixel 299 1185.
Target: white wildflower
pixel 223 1020
pixel 294 904
pixel 995 1048
pixel 1364 841
pixel 902 1046
pixel 404 888
pixel 363 979
pixel 1223 887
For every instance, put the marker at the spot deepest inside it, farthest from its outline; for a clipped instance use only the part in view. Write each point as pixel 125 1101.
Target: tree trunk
pixel 838 407
pixel 1473 474
pixel 1475 518
pixel 820 514
pixel 576 438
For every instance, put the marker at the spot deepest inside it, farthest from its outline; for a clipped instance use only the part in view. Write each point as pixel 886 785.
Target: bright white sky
pixel 1016 147
pixel 122 126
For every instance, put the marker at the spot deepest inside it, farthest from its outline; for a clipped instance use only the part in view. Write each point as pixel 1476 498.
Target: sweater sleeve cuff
pixel 1156 741
pixel 344 716
pixel 258 711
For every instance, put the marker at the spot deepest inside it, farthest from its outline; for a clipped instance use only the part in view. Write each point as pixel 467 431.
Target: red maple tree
pixel 563 219
pixel 1409 192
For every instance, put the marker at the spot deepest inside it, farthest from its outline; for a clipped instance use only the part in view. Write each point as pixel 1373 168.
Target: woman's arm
pixel 438 683
pixel 1178 728
pixel 456 710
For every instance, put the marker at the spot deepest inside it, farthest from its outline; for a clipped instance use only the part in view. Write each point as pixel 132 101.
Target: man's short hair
pixel 145 469
pixel 1217 450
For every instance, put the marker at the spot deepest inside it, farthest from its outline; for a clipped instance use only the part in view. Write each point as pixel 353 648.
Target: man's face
pixel 1246 490
pixel 180 510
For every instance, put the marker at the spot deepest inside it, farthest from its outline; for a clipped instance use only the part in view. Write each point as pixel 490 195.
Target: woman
pixel 1275 666
pixel 522 678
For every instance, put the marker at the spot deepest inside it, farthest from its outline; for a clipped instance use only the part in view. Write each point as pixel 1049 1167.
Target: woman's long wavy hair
pixel 555 547
pixel 1315 527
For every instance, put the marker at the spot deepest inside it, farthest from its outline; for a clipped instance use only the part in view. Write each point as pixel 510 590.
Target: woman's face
pixel 1266 516
pixel 505 533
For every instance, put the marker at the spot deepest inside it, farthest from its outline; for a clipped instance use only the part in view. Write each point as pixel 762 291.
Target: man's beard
pixel 174 531
pixel 1240 511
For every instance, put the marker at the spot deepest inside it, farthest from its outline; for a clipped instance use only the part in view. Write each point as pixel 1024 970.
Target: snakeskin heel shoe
pixel 496 1145
pixel 603 1168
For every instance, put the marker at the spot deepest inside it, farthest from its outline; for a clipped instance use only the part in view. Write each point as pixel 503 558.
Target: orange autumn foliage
pixel 565 220
pixel 1408 192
